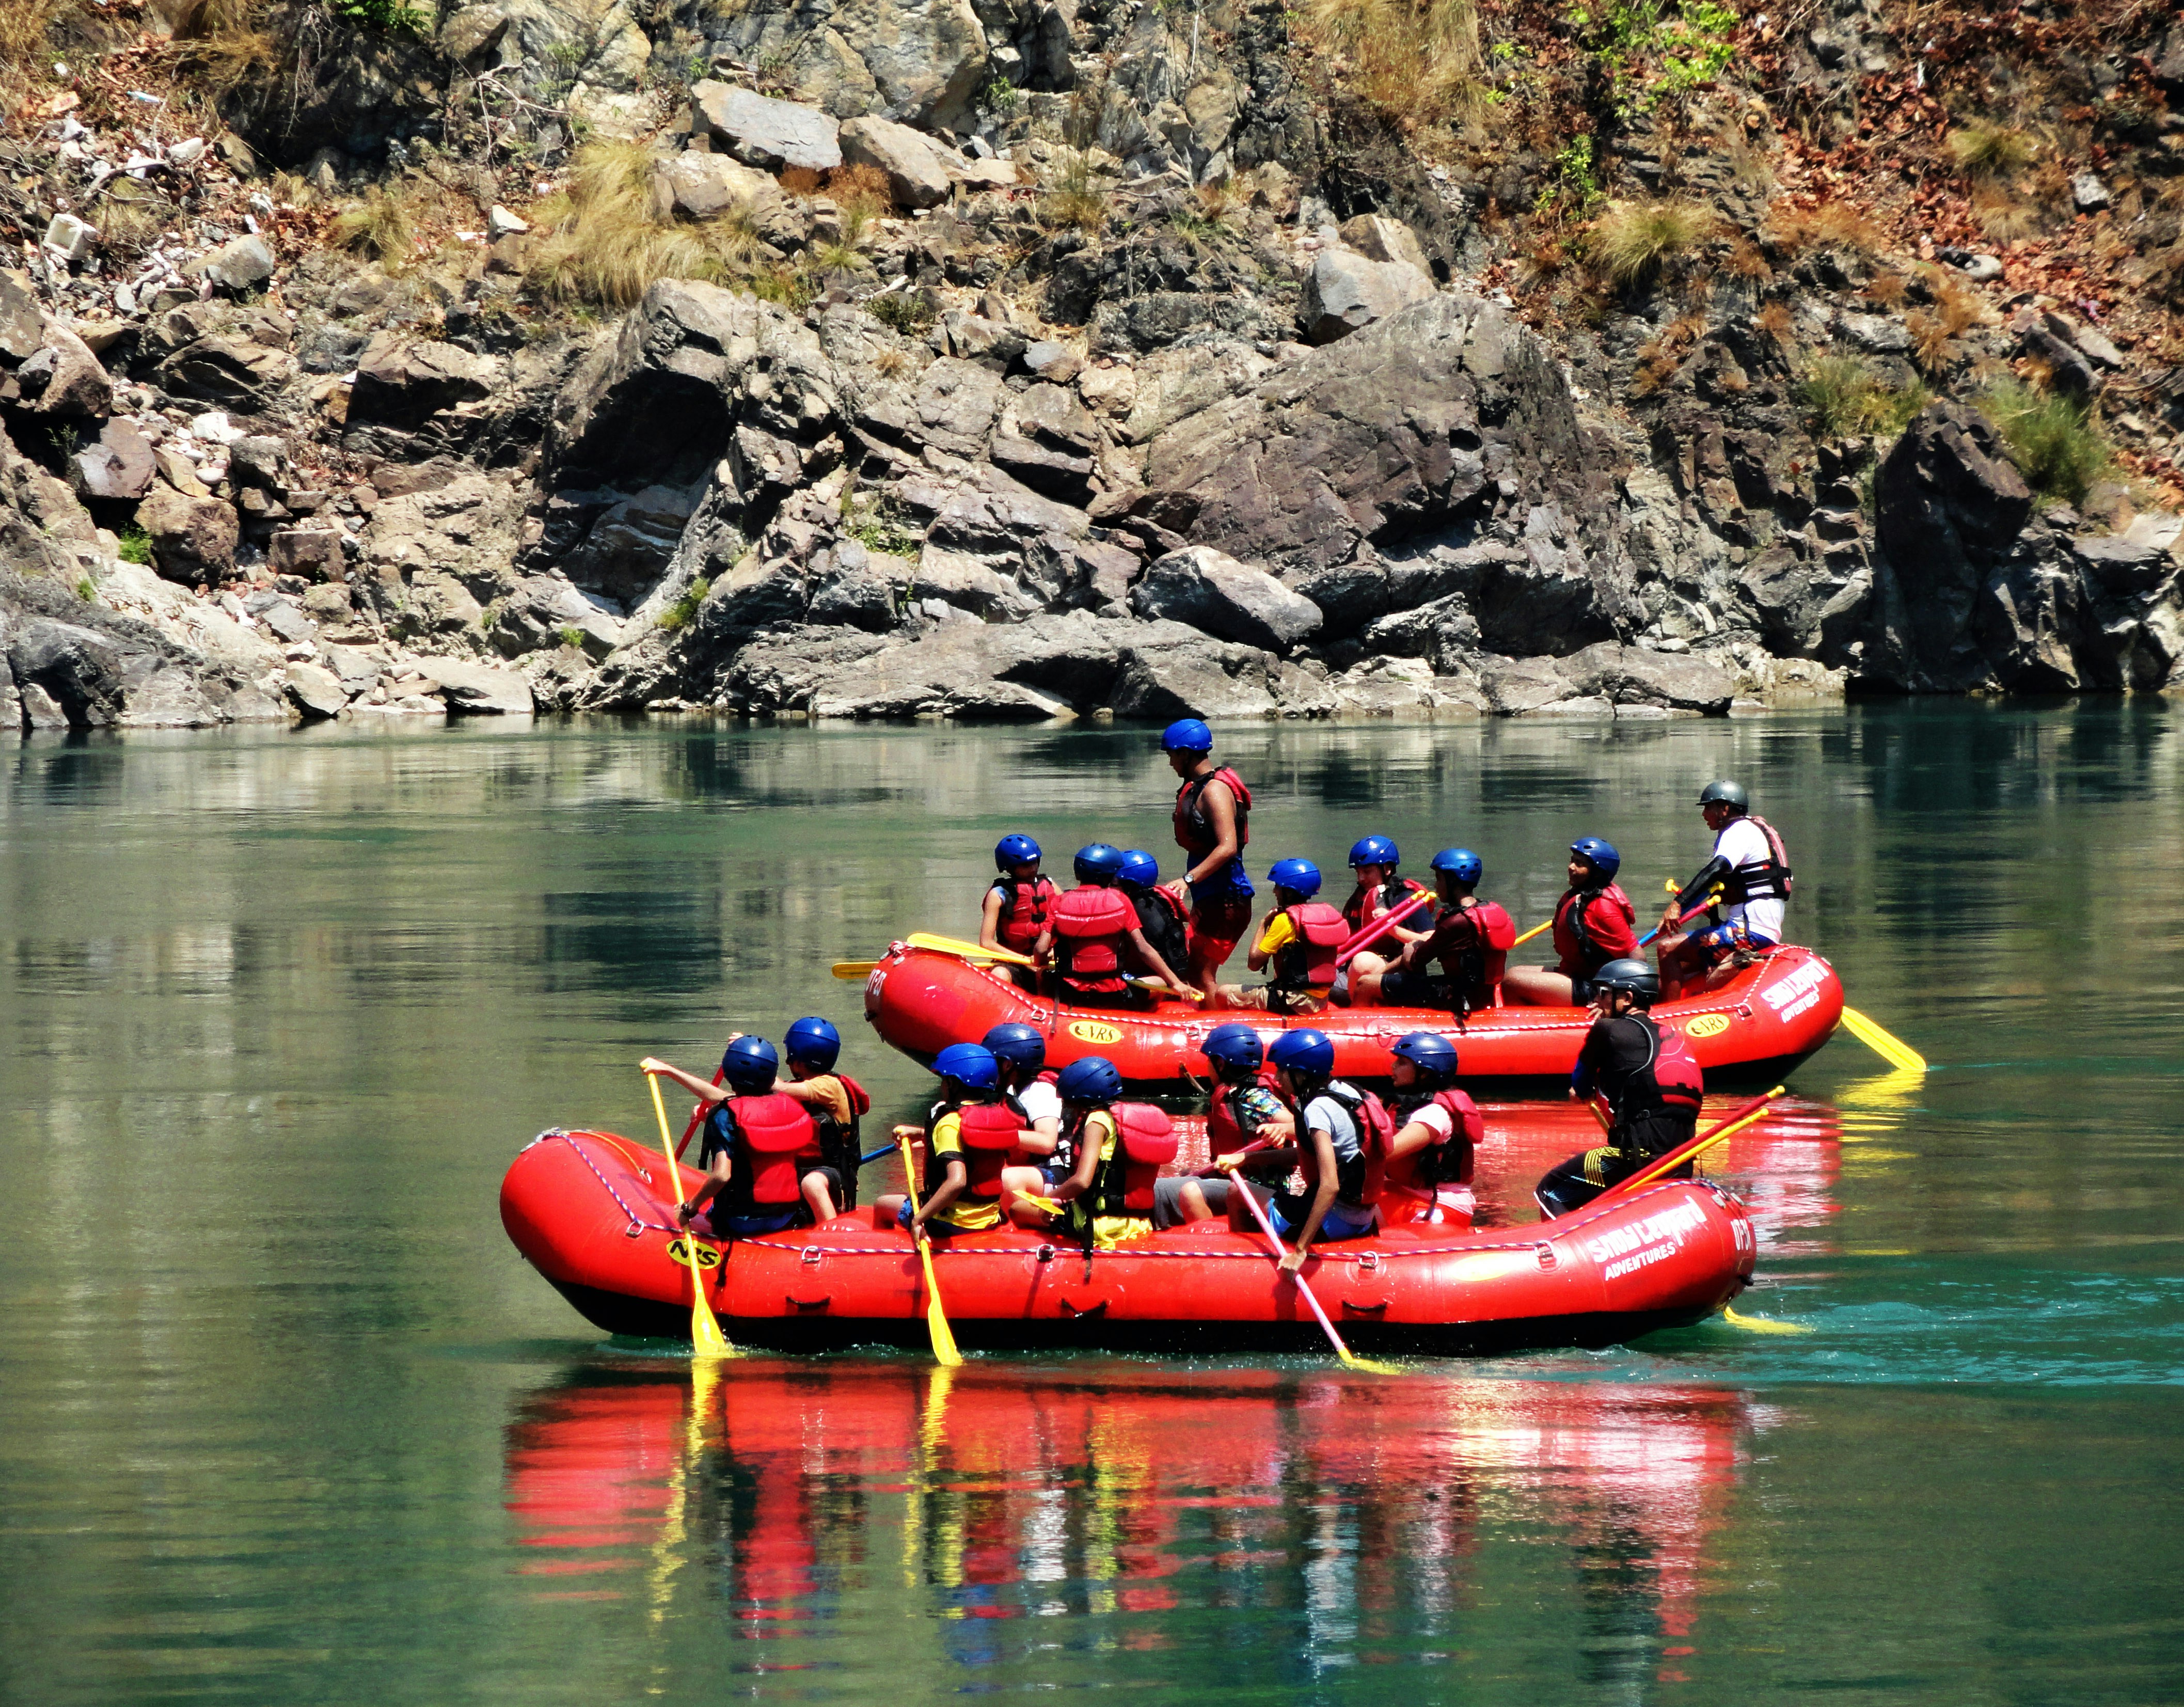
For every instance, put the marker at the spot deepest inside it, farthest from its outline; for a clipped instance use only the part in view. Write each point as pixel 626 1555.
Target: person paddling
pixel 1343 1130
pixel 968 1134
pixel 1752 868
pixel 1438 1131
pixel 1018 902
pixel 836 1104
pixel 1298 945
pixel 1163 918
pixel 1242 1110
pixel 1212 826
pixel 1470 938
pixel 1092 935
pixel 1592 926
pixel 1649 1077
pixel 1108 1198
pixel 751 1140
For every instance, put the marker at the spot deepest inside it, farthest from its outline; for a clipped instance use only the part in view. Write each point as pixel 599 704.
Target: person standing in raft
pixel 752 1138
pixel 836 1104
pixel 1592 927
pixel 1379 891
pixel 1164 919
pixel 1649 1077
pixel 1212 826
pixel 1298 945
pixel 968 1135
pixel 1108 1198
pixel 1470 938
pixel 1343 1134
pixel 1092 935
pixel 1752 868
pixel 1438 1132
pixel 1018 903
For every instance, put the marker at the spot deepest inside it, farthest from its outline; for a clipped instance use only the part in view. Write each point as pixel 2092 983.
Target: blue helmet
pixel 1186 735
pixel 1233 1046
pixel 971 1065
pixel 1012 850
pixel 1600 856
pixel 1099 863
pixel 1460 863
pixel 1428 1051
pixel 814 1042
pixel 1093 1079
pixel 1309 1054
pixel 750 1065
pixel 1301 876
pixel 1374 851
pixel 1018 1043
pixel 1139 866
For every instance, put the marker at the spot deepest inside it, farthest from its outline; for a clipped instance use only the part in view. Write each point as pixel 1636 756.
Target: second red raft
pixel 1749 1034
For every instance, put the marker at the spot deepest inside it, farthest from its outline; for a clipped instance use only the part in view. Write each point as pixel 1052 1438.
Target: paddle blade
pixel 936 1318
pixel 967 950
pixel 1371 1366
pixel 855 968
pixel 1889 1047
pixel 1760 1325
pixel 706 1339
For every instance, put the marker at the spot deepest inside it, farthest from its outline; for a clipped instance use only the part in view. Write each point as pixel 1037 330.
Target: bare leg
pixel 1679 963
pixel 1240 1219
pixel 1192 1202
pixel 1366 973
pixel 887 1208
pixel 1017 1183
pixel 818 1196
pixel 1537 986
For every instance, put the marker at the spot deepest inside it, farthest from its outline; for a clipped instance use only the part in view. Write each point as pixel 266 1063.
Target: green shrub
pixel 680 614
pixel 1633 241
pixel 2055 442
pixel 136 545
pixel 910 312
pixel 385 14
pixel 573 636
pixel 86 588
pixel 1843 396
pixel 1073 197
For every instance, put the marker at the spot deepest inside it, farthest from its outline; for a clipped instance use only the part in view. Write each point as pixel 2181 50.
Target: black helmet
pixel 1727 794
pixel 1634 977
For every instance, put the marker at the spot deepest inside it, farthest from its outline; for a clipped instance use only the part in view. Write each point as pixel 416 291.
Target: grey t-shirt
pixel 1324 1114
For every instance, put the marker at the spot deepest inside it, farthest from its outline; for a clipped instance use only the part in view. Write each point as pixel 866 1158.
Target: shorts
pixel 933 1230
pixel 1291 1209
pixel 1167 1198
pixel 832 1176
pixel 1406 986
pixel 1719 941
pixel 1280 1001
pixel 744 1226
pixel 1580 988
pixel 1216 927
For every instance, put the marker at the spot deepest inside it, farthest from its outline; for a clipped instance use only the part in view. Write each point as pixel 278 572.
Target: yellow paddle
pixel 706 1339
pixel 1530 934
pixel 1761 1325
pixel 1890 1048
pixel 936 1318
pixel 968 951
pixel 855 968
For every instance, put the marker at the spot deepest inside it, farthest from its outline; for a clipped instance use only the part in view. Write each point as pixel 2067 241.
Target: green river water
pixel 284 1418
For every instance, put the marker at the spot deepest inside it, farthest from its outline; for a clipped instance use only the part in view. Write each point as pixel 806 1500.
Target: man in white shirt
pixel 1752 869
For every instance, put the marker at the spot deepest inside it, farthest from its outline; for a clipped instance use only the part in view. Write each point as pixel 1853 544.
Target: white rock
pixel 215 428
pixel 187 152
pixel 500 223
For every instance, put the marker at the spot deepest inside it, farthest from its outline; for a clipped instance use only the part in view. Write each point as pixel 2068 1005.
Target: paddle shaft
pixel 706 1339
pixel 936 1315
pixel 1692 1148
pixel 1274 1244
pixel 1685 919
pixel 697 1117
pixel 1381 926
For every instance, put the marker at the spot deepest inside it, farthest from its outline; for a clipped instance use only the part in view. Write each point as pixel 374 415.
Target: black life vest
pixel 1025 909
pixel 986 1132
pixel 1162 920
pixel 1669 1078
pixel 1194 830
pixel 1580 955
pixel 1144 1142
pixel 1092 925
pixel 764 1136
pixel 1770 880
pixel 841 1146
pixel 1358 1178
pixel 1448 1163
pixel 1307 960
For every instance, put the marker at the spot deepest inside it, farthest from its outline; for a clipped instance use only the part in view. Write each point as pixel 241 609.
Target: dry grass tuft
pixel 1832 225
pixel 802 181
pixel 25 45
pixel 863 194
pixel 1982 149
pixel 1888 290
pixel 224 44
pixel 1073 196
pixel 1632 242
pixel 1415 60
pixel 1777 322
pixel 1747 261
pixel 382 224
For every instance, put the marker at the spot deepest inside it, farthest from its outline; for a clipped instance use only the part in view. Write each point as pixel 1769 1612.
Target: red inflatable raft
pixel 593 1214
pixel 1748 1034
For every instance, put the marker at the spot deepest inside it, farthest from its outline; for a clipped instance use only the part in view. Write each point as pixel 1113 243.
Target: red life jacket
pixel 771 1131
pixel 1365 906
pixel 1092 927
pixel 1223 1136
pixel 1473 946
pixel 1577 930
pixel 1306 961
pixel 987 1132
pixel 1446 1164
pixel 1145 1141
pixel 1768 882
pixel 1194 830
pixel 1358 1178
pixel 1670 1079
pixel 1025 908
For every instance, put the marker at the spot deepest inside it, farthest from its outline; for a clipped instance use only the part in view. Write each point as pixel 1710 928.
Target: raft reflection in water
pixel 1339 1520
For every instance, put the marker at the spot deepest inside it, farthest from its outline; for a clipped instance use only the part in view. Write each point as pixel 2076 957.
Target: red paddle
pixel 697 1117
pixel 1381 926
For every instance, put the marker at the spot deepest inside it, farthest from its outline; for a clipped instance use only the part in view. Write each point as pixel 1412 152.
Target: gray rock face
pixel 60 379
pixel 227 369
pixel 478 689
pixel 120 465
pixel 193 539
pixel 239 266
pixel 315 693
pixel 919 171
pixel 919 64
pixel 401 382
pixel 1346 292
pixel 1210 590
pixel 763 132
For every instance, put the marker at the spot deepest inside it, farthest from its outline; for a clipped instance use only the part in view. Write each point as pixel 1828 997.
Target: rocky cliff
pixel 1027 359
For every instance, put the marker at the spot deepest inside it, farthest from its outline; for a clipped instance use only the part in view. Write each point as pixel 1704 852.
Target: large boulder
pixel 60 379
pixel 763 132
pixel 238 266
pixel 1346 292
pixel 119 465
pixel 402 382
pixel 920 65
pixel 692 185
pixel 227 369
pixel 193 539
pixel 477 689
pixel 1208 589
pixel 919 171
